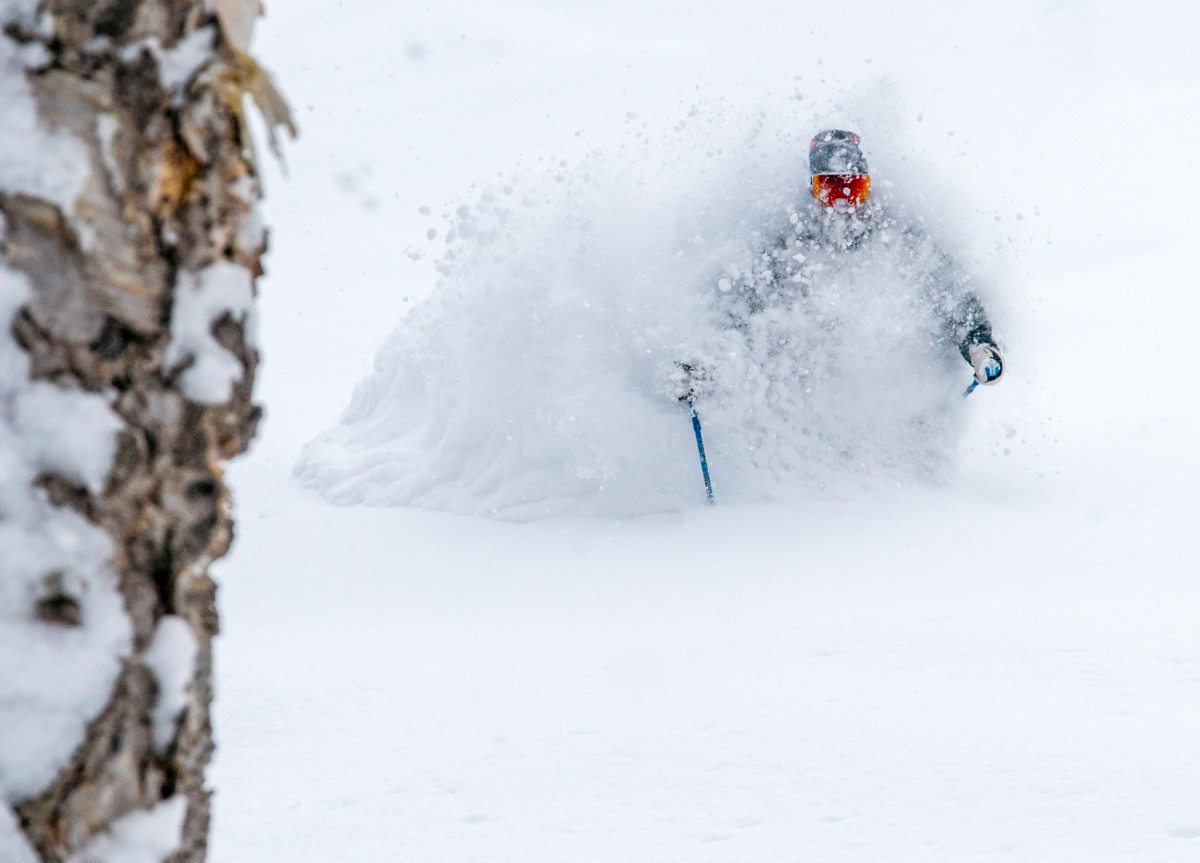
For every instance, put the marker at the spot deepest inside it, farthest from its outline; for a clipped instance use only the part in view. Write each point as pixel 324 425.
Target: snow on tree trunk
pixel 129 248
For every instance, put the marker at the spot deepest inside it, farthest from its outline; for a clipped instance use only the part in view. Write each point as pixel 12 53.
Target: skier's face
pixel 845 193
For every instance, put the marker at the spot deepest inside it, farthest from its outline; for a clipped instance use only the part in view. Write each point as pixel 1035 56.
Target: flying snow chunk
pixel 531 384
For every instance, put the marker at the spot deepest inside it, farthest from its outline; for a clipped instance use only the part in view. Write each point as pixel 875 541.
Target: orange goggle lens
pixel 851 188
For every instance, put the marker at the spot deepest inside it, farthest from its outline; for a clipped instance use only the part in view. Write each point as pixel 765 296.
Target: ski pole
pixel 700 446
pixel 970 389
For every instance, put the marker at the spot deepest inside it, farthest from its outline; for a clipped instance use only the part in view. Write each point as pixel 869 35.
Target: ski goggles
pixel 851 188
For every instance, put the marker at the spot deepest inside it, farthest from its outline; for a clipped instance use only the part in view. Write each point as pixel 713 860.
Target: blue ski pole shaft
pixel 700 447
pixel 970 389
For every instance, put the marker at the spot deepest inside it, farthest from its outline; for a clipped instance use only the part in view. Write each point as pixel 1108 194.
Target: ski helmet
pixel 838 168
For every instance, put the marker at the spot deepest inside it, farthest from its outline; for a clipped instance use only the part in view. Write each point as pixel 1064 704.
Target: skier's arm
pixel 968 325
pixel 964 321
pixel 969 328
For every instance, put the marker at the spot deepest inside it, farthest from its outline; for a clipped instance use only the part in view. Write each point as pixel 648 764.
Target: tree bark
pixel 163 225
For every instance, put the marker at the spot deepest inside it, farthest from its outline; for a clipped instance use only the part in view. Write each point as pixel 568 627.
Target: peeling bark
pixel 170 191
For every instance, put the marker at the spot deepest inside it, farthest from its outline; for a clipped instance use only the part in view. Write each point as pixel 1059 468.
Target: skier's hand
pixel 986 361
pixel 686 378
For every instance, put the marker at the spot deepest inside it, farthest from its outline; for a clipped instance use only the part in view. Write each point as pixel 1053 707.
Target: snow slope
pixel 1006 665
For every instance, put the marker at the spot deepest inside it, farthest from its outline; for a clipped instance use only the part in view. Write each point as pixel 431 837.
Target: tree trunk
pixel 130 248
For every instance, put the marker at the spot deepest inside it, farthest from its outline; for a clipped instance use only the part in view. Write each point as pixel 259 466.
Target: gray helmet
pixel 835 151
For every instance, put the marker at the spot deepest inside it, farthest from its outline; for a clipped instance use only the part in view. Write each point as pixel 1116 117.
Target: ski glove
pixel 686 379
pixel 985 359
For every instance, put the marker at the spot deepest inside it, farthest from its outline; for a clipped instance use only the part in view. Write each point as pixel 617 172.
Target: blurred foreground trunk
pixel 130 247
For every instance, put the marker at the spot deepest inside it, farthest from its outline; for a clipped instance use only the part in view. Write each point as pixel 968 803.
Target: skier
pixel 838 228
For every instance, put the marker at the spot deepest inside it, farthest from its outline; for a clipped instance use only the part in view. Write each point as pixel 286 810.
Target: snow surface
pixel 1003 665
pixel 13 845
